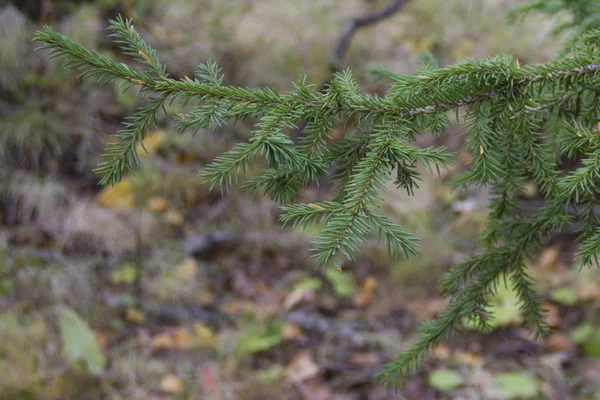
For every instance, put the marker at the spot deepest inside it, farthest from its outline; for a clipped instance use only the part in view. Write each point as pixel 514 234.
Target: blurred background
pixel 159 289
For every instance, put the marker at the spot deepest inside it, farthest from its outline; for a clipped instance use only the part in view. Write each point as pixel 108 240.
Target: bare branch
pixel 360 22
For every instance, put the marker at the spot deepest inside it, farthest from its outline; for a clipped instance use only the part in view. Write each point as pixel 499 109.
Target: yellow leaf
pixel 162 341
pixel 529 191
pixel 124 274
pixel 442 352
pixel 205 336
pixel 173 217
pixel 315 206
pixel 364 296
pixel 171 384
pixel 183 339
pixel 151 143
pixel 120 197
pixel 187 270
pixel 469 359
pixel 134 316
pixel 302 367
pixel 157 204
pixel 549 258
pixel 291 331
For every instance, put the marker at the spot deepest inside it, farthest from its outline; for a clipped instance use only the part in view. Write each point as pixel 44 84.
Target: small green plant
pixel 520 121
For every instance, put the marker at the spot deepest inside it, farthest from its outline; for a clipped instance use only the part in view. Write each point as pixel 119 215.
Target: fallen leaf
pixel 442 352
pixel 296 297
pixel 259 338
pixel 183 338
pixel 120 197
pixel 134 316
pixel 564 295
pixel 515 385
pixel 302 367
pixel 124 274
pixel 162 341
pixel 173 217
pixel 468 358
pixel 582 333
pixel 364 296
pixel 559 342
pixel 185 157
pixel 342 282
pixel 589 290
pixel 79 341
pixel 312 284
pixel 506 307
pixel 171 384
pixel 552 314
pixel 204 335
pixel 157 205
pixel 187 270
pixel 302 291
pixel 291 331
pixel 591 347
pixel 150 144
pixel 445 379
pixel 548 258
pixel 191 196
pixel 529 191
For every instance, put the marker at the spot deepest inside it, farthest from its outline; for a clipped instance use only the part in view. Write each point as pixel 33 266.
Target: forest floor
pixel 157 288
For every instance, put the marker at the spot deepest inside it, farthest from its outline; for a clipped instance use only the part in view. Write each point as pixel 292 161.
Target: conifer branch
pixel 518 122
pixel 121 155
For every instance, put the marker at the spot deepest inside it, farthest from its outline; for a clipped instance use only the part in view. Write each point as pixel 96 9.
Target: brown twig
pixel 343 44
pixel 360 22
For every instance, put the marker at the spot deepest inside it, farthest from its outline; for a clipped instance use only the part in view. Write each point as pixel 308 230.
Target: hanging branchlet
pixel 519 120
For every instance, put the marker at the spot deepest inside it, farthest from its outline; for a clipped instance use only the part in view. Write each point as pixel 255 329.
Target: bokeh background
pixel 158 288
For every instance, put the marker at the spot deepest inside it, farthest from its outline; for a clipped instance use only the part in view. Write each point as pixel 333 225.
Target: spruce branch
pixel 468 285
pixel 121 155
pixel 589 249
pixel 519 121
